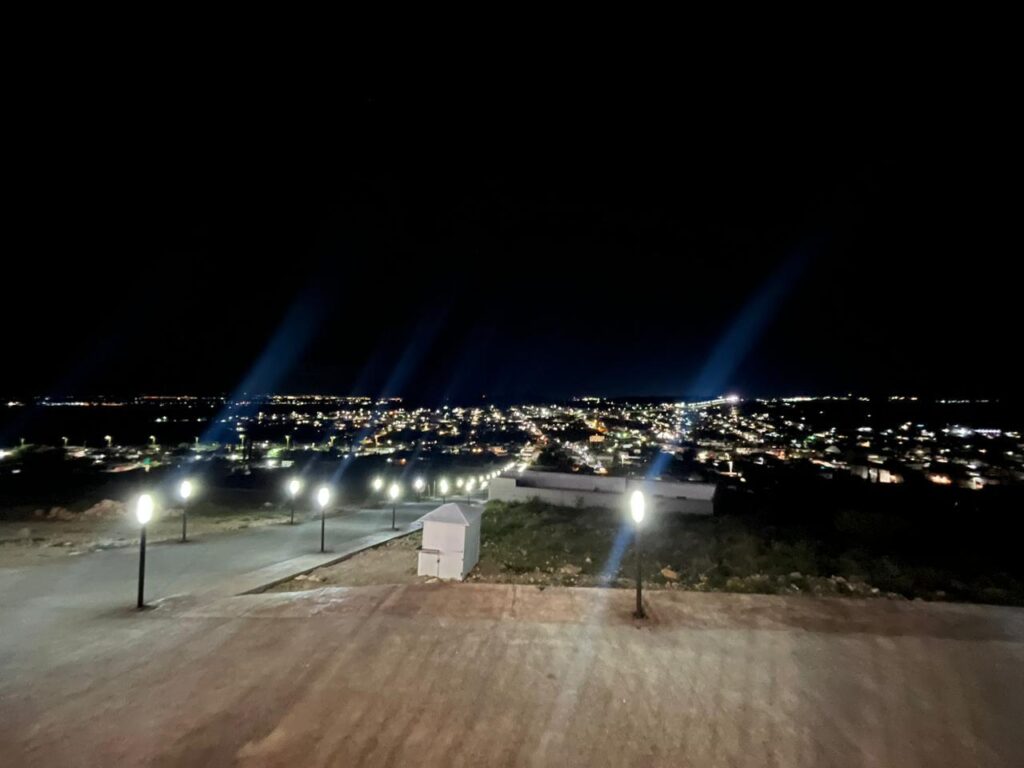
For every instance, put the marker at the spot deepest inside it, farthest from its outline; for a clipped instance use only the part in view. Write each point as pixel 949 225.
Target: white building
pixel 571 490
pixel 451 541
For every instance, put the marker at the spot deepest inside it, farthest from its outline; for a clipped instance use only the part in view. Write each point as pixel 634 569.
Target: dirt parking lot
pixel 483 674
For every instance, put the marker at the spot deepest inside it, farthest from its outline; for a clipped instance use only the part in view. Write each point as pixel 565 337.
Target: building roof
pixel 460 514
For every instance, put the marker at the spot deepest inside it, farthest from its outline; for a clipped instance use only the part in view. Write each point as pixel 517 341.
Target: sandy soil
pixel 480 674
pixel 391 563
pixel 40 540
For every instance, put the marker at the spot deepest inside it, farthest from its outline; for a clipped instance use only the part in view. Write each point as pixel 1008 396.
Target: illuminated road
pixel 486 674
pixel 43 607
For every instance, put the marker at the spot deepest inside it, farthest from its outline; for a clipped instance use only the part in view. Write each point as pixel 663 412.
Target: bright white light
pixel 185 489
pixel 733 398
pixel 418 484
pixel 323 496
pixel 470 484
pixel 637 506
pixel 443 486
pixel 458 482
pixel 294 486
pixel 144 509
pixel 393 491
pixel 378 483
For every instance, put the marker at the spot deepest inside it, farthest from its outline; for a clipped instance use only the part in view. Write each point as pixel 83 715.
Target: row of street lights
pixel 144 513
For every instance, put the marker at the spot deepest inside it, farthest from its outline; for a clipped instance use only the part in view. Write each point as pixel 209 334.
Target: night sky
pixel 449 249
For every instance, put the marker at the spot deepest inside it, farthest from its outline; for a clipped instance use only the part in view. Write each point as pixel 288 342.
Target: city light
pixel 323 495
pixel 185 489
pixel 294 486
pixel 378 483
pixel 419 484
pixel 393 491
pixel 637 506
pixel 144 509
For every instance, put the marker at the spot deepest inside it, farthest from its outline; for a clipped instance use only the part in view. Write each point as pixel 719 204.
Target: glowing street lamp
pixel 65 441
pixel 294 486
pixel 288 442
pixel 143 513
pixel 109 440
pixel 637 508
pixel 393 493
pixel 419 485
pixel 458 482
pixel 442 486
pixel 322 497
pixel 378 483
pixel 185 491
pixel 152 439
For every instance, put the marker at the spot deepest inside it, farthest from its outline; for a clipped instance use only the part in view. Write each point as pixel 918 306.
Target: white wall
pixel 683 498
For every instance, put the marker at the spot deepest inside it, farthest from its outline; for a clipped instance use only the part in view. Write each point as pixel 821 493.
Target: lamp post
pixel 378 484
pixel 637 505
pixel 294 486
pixel 143 513
pixel 185 491
pixel 469 488
pixel 322 497
pixel 419 484
pixel 442 486
pixel 109 440
pixel 393 493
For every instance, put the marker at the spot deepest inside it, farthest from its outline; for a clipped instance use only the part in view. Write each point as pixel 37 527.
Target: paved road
pixel 46 608
pixel 483 674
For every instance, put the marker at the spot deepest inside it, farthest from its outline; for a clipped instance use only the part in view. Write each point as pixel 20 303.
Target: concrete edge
pixel 262 579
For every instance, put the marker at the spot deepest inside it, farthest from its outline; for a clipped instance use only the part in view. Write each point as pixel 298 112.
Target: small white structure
pixel 451 541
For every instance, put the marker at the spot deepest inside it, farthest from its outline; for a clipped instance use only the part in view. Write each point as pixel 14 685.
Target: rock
pixel 108 509
pixel 669 574
pixel 570 569
pixel 796 575
pixel 301 577
pixel 587 560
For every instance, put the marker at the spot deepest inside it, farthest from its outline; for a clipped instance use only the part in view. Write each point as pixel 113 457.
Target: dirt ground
pixel 30 541
pixel 395 563
pixel 480 674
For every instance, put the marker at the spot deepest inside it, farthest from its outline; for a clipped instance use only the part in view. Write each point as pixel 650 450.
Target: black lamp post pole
pixel 184 521
pixel 142 567
pixel 639 596
pixel 323 517
pixel 393 528
pixel 291 510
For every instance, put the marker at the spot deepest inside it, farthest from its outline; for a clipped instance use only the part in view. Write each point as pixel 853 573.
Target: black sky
pixel 452 247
